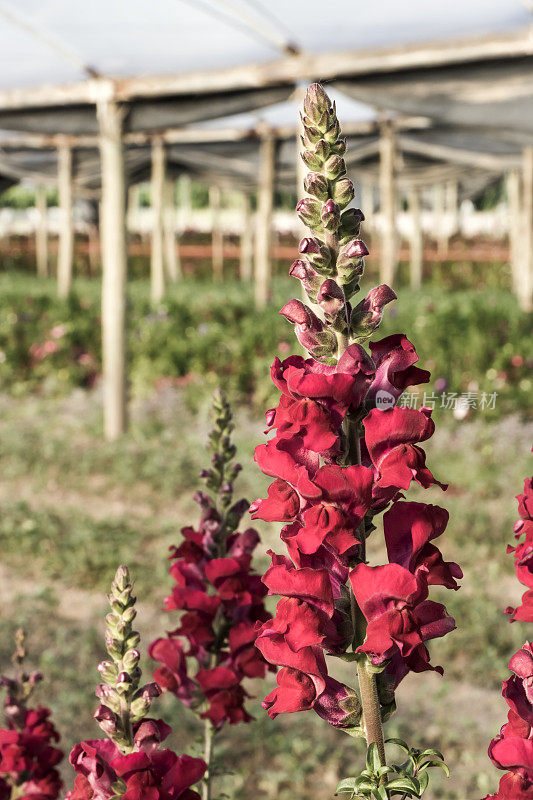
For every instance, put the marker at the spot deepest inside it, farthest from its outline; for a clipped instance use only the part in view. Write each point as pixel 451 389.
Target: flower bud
pixel 334 167
pixel 317 254
pixel 342 192
pixel 330 298
pixel 108 671
pixel 317 105
pixel 315 157
pixel 367 315
pixel 107 720
pixel 311 134
pixel 316 185
pixel 332 133
pixel 350 223
pixel 131 659
pixel 310 330
pixel 109 697
pixel 124 682
pixel 308 210
pixel 330 216
pixel 310 279
pixel 339 705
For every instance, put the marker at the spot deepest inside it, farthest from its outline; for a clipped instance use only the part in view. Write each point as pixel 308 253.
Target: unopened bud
pixel 367 315
pixel 317 105
pixel 316 185
pixel 311 280
pixel 310 330
pixel 342 192
pixel 108 671
pixel 131 659
pixel 107 720
pixel 330 216
pixel 330 298
pixel 334 167
pixel 351 223
pixel 124 682
pixel 308 210
pixel 318 255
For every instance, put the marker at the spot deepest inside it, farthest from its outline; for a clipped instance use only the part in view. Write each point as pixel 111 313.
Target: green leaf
pixel 423 780
pixel 432 752
pixel 373 761
pixel 406 785
pixel 380 793
pixel 398 743
pixel 444 767
pixel 346 785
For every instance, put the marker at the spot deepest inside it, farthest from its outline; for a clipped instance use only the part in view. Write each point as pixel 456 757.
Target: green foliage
pixel 381 782
pixel 203 336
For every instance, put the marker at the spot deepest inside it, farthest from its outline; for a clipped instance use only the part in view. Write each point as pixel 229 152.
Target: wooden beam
pixel 41 231
pixel 525 295
pixel 247 240
pixel 387 196
pixel 416 238
pixel 157 187
pixel 217 236
pixel 329 66
pixel 458 155
pixel 263 234
pixel 114 268
pixel 440 229
pixel 65 253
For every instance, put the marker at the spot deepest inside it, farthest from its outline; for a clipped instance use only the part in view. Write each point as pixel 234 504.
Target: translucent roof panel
pixel 50 41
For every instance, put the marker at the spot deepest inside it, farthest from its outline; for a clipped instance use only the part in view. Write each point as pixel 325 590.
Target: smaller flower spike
pixel 124 701
pixel 28 756
pixel 130 763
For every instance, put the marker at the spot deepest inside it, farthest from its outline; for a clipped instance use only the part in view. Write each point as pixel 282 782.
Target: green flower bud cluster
pixel 222 473
pixel 124 701
pixel 331 261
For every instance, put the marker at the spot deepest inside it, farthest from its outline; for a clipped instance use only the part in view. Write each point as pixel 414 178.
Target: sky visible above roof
pixel 50 41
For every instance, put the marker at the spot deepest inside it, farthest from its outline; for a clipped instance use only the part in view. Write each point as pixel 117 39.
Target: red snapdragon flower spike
pixel 289 460
pixel 400 618
pixel 394 357
pixel 281 505
pixel 409 528
pixel 391 437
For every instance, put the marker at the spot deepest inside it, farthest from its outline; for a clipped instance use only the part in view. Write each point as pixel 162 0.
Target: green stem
pixel 371 708
pixel 208 754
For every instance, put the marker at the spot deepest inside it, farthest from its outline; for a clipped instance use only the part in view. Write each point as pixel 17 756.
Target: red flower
pixel 394 357
pixel 311 585
pixel 225 695
pixel 409 527
pixel 172 676
pixel 281 505
pixel 295 691
pixel 391 437
pixel 148 774
pixel 28 757
pixel 399 617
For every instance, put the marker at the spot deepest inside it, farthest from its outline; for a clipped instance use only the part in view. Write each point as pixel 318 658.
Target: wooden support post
pixel 514 203
pixel 172 258
pixel 246 262
pixel 525 287
pixel 367 202
pixel 157 187
pixel 41 232
pixel 217 237
pixel 93 249
pixel 416 238
pixel 185 196
pixel 114 267
pixel 387 194
pixel 439 219
pixel 65 255
pixel 452 207
pixel 265 204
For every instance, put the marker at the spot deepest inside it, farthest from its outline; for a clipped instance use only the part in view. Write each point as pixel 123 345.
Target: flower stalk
pixel 343 452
